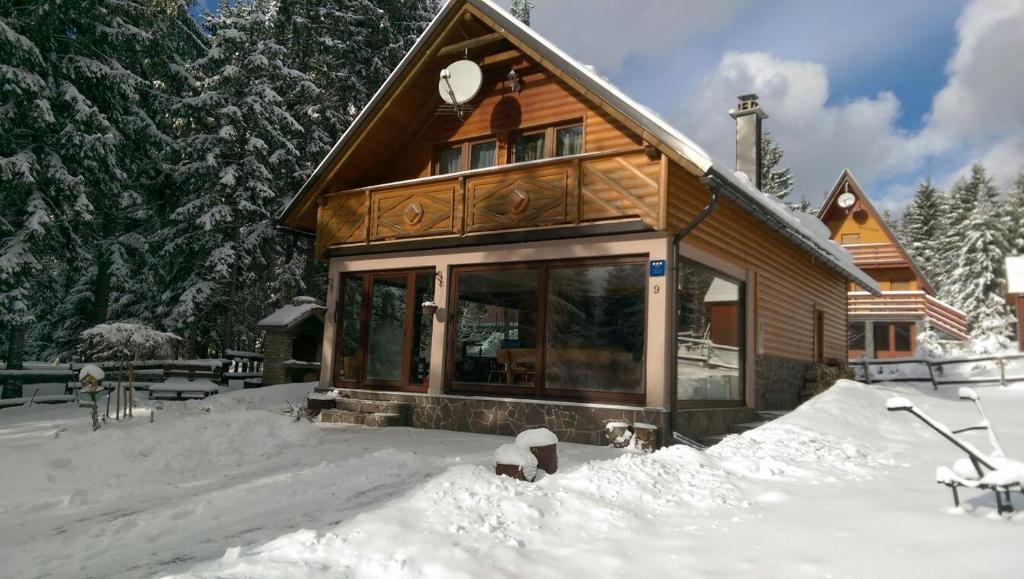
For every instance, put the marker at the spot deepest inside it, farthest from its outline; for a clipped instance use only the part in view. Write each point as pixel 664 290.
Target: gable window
pixel 530 147
pixel 449 160
pixel 568 140
pixel 466 156
pixel 483 155
pixel 850 238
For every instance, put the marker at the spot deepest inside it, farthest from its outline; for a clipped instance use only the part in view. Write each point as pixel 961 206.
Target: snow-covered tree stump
pixel 645 436
pixel 619 433
pixel 543 444
pixel 516 462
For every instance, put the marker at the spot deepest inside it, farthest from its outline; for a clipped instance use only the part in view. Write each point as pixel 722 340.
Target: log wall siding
pixel 789 285
pixel 497 112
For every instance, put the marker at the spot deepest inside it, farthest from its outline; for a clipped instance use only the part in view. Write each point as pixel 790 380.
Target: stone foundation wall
pixel 581 423
pixel 779 381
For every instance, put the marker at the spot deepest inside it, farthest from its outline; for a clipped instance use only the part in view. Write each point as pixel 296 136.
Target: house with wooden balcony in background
pixel 550 253
pixel 884 325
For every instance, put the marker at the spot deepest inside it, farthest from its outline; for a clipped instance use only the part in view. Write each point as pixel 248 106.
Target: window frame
pixel 550 133
pixel 465 151
pixel 404 383
pixel 538 390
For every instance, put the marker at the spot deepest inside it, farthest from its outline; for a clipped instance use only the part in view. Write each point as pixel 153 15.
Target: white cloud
pixel 976 116
pixel 607 32
pixel 820 139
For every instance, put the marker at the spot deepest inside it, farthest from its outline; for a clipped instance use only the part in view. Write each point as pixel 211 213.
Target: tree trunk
pixel 101 289
pixel 15 356
pixel 229 314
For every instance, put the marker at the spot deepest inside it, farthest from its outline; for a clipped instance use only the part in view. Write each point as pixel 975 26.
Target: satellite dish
pixel 846 200
pixel 460 82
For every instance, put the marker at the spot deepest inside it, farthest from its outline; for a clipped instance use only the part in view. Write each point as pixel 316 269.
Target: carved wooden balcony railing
pixel 876 255
pixel 566 191
pixel 908 305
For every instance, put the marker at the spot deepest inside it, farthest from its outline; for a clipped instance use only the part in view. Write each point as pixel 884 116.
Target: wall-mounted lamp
pixel 515 83
pixel 429 308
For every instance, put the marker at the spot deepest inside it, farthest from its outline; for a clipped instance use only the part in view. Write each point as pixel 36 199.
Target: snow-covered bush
pixel 124 341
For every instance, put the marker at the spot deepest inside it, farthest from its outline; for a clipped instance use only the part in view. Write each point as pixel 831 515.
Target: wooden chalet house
pixel 558 255
pixel 884 325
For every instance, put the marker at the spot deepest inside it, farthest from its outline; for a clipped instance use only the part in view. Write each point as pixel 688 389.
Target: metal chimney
pixel 748 137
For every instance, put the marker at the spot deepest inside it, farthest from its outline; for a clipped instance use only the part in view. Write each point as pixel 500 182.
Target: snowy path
pixel 138 499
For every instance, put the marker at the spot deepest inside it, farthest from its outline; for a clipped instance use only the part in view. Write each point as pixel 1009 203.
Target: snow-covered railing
pixel 1010 367
pixel 913 304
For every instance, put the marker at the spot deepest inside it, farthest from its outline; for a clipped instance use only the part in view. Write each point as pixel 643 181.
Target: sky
pixel 895 90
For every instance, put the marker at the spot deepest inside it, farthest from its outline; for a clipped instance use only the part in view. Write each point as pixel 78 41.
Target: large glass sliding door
pixel 711 316
pixel 560 330
pixel 383 336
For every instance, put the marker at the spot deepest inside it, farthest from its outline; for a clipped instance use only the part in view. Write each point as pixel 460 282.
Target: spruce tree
pixel 520 9
pixel 923 228
pixel 1014 217
pixel 775 180
pixel 976 283
pixel 964 198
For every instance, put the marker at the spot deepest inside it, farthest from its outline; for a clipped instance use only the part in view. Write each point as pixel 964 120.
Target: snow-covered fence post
pixel 125 343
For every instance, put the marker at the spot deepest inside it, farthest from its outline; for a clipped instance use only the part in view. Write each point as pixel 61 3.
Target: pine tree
pixel 1014 217
pixel 238 156
pixel 775 180
pixel 964 197
pixel 520 9
pixel 923 228
pixel 975 285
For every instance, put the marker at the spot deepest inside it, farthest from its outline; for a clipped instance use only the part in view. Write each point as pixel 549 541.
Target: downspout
pixel 712 184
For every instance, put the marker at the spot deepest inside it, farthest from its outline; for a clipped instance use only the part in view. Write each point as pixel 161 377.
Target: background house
pixel 886 325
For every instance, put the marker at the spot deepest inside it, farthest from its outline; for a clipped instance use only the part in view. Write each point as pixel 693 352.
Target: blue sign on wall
pixel 657 267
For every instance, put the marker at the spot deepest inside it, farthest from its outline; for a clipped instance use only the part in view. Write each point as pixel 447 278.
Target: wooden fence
pixel 935 369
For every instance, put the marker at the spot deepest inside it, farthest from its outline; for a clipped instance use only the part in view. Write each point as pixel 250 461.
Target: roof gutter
pixel 296 232
pixel 738 197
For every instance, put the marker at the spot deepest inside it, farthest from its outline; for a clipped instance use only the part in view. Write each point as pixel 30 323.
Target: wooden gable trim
pixel 847 177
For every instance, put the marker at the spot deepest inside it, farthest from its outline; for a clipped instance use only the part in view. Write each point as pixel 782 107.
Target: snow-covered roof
pixel 721 291
pixel 291 315
pixel 667 138
pixel 1015 275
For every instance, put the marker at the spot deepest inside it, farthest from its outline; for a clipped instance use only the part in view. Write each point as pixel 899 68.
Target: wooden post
pixel 1002 372
pixel 867 372
pixel 931 374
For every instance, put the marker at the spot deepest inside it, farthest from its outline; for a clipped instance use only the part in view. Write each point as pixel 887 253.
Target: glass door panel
pixel 351 327
pixel 388 296
pixel 711 321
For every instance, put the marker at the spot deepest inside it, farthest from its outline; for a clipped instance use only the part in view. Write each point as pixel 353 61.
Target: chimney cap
pixel 748 105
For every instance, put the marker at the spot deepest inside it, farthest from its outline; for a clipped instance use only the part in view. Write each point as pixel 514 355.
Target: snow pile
pixel 781 450
pixel 516 455
pixel 536 437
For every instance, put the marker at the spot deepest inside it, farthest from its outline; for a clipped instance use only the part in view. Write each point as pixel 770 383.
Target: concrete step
pixel 713 439
pixel 772 414
pixel 745 426
pixel 373 419
pixel 373 406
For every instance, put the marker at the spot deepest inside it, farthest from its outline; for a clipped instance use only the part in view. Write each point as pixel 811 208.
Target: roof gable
pixel 831 213
pixel 354 150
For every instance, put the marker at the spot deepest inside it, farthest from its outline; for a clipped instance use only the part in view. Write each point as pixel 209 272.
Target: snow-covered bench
pixel 1003 474
pixel 186 379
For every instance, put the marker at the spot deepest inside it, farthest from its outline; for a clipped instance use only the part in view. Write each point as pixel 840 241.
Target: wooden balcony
pixel 908 305
pixel 566 191
pixel 876 255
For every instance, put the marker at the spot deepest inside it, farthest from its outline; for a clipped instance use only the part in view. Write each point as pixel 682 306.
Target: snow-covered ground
pixel 838 488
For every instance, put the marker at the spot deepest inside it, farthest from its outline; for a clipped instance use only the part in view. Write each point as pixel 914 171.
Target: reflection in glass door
pixel 387 328
pixel 711 321
pixel 383 336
